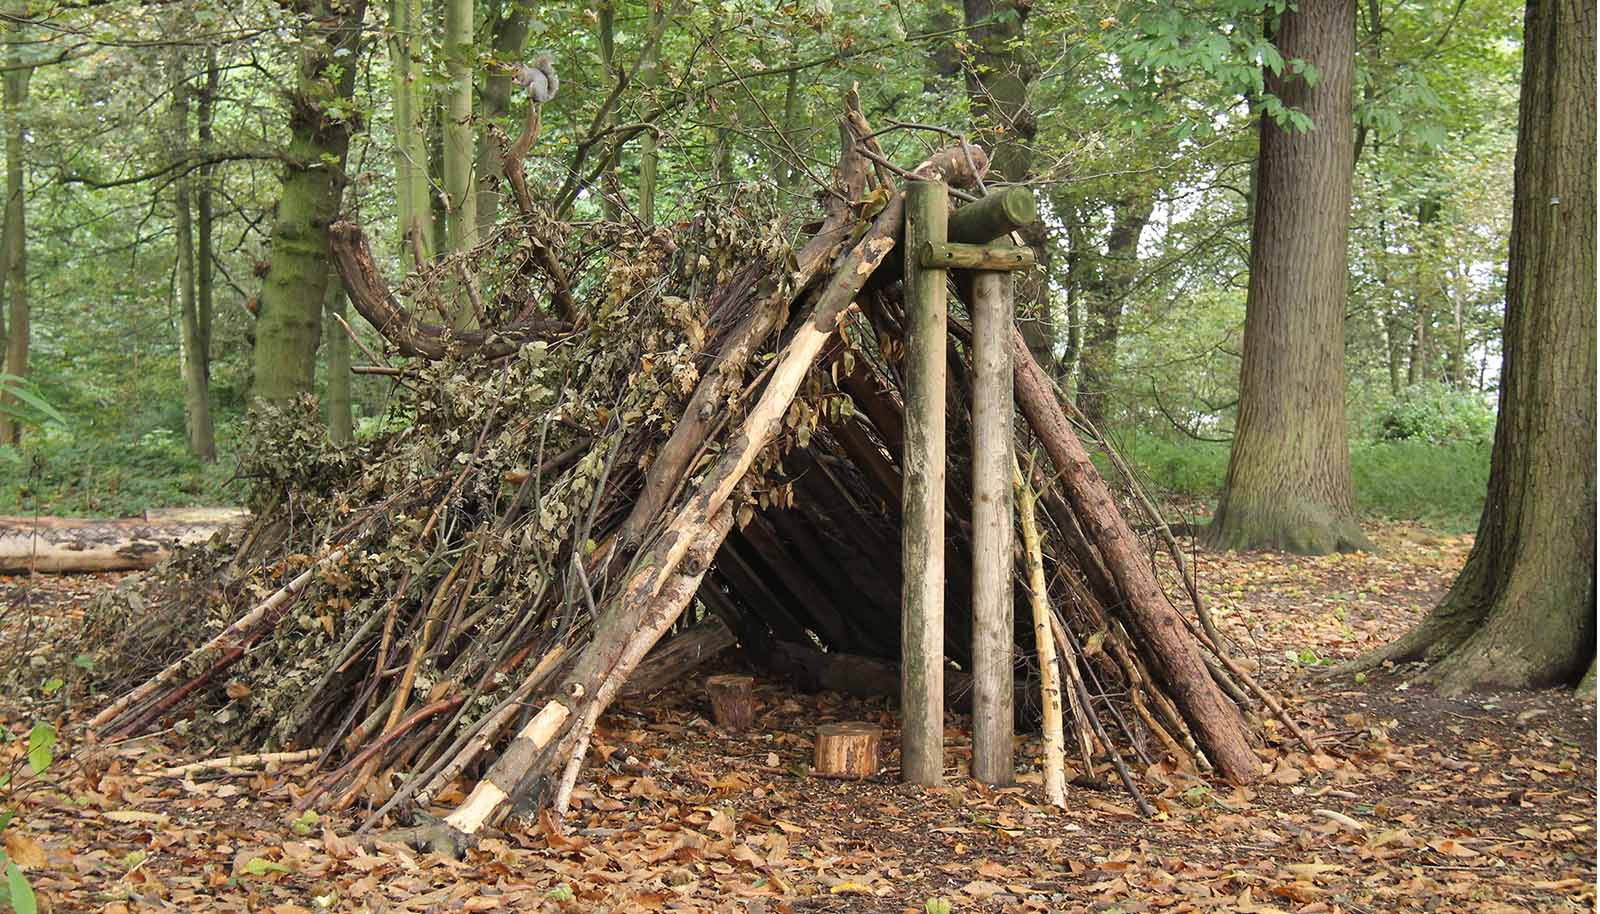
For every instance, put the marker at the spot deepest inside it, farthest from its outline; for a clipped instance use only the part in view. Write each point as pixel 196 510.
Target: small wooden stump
pixel 733 704
pixel 848 749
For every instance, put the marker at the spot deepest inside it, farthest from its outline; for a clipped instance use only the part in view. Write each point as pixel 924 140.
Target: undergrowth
pixel 68 474
pixel 1440 484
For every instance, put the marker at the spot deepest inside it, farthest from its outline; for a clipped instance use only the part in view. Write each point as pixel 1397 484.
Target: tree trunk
pixel 412 193
pixel 1104 303
pixel 508 34
pixel 289 323
pixel 461 202
pixel 341 417
pixel 191 355
pixel 205 214
pixel 649 152
pixel 998 76
pixel 1288 484
pixel 1522 612
pixel 15 238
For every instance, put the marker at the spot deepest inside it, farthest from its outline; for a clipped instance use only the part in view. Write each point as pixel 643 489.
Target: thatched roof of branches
pixel 651 426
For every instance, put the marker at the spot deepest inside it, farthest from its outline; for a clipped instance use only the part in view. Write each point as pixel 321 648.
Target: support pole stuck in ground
pixel 922 545
pixel 992 623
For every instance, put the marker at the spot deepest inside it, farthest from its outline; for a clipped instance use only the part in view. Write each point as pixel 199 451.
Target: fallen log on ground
pixel 56 545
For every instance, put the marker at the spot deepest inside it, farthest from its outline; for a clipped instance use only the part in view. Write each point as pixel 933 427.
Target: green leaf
pixel 53 685
pixel 41 747
pixel 22 899
pixel 258 866
pixel 24 391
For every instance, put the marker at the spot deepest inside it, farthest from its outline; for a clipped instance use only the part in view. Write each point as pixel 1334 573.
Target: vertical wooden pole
pixel 992 637
pixel 922 543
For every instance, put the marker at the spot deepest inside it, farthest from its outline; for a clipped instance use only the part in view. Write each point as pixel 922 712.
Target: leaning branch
pixel 370 294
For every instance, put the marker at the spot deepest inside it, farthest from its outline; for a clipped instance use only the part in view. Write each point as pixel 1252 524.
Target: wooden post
pixel 922 543
pixel 992 638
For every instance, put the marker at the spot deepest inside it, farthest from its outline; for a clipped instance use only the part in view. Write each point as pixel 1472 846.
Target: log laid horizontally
pixel 53 545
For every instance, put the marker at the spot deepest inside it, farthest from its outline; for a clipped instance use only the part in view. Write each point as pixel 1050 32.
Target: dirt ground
pixel 1412 801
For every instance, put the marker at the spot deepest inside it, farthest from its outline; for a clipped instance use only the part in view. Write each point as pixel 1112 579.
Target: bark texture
pixel 1288 485
pixel 15 239
pixel 1522 612
pixel 196 385
pixel 414 206
pixel 289 324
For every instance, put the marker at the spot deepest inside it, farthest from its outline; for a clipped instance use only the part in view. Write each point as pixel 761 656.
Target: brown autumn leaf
pixel 23 850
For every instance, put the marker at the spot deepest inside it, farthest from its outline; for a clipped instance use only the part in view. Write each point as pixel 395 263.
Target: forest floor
pixel 1414 801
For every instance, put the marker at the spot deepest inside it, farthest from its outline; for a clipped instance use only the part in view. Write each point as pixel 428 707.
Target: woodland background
pixel 146 145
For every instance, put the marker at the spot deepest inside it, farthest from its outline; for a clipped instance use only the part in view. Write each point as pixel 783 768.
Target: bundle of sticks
pixel 700 424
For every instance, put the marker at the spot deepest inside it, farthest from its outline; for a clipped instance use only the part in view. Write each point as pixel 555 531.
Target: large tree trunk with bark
pixel 1522 612
pixel 289 323
pixel 1288 484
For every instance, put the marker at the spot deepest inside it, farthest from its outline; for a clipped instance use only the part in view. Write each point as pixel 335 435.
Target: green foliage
pixel 16 892
pixel 1434 413
pixel 1441 484
pixel 31 407
pixel 74 475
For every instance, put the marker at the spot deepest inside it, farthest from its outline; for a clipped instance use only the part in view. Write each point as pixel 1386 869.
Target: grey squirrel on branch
pixel 540 81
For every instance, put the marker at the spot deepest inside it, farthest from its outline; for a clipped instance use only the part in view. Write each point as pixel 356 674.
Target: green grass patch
pixel 1440 484
pixel 71 475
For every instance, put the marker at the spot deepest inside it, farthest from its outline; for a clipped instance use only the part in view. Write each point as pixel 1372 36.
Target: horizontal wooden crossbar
pixel 974 257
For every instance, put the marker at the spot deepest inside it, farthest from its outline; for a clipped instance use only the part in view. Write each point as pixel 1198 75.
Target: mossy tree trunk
pixel 15 237
pixel 461 201
pixel 1288 484
pixel 192 359
pixel 289 323
pixel 1522 612
pixel 413 200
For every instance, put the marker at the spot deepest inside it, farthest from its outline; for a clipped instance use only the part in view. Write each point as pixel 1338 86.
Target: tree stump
pixel 733 705
pixel 848 749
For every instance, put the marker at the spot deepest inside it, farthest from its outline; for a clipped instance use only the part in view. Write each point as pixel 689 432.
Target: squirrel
pixel 540 81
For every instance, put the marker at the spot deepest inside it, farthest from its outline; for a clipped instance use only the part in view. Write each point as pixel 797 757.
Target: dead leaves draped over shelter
pixel 719 424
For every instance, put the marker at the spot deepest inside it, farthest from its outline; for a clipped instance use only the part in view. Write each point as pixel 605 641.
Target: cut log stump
pixel 733 704
pixel 848 749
